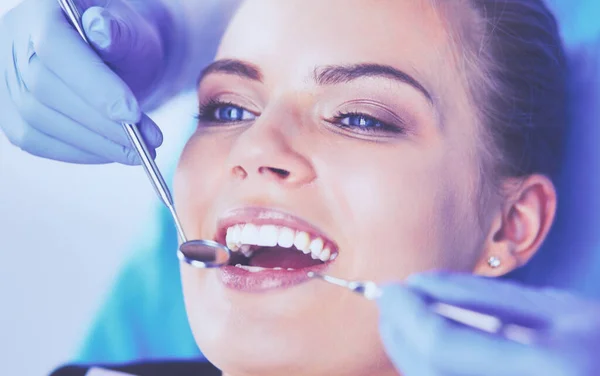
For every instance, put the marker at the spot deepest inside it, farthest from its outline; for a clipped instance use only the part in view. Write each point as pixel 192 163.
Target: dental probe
pixel 475 319
pixel 198 253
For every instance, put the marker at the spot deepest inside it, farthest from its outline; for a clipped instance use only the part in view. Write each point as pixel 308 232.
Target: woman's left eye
pixel 224 113
pixel 363 123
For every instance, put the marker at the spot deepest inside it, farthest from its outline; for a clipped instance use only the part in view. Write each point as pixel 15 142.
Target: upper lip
pixel 263 216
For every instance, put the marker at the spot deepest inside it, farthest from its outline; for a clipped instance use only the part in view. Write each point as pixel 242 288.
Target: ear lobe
pixel 520 229
pixel 496 245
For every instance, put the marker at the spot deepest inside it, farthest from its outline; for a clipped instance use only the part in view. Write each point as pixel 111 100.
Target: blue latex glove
pixel 421 343
pixel 63 101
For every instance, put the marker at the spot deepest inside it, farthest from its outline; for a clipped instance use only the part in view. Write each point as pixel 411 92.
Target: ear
pixel 520 227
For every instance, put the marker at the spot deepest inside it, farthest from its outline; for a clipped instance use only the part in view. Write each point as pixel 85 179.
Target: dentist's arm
pixel 61 100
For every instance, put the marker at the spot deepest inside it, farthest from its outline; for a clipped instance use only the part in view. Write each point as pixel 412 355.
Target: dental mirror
pixel 204 254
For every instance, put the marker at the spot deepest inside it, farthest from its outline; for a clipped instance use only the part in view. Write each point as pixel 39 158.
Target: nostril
pixel 277 171
pixel 280 172
pixel 239 172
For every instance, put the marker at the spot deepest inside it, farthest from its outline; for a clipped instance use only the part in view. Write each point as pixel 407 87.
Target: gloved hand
pixel 422 343
pixel 61 100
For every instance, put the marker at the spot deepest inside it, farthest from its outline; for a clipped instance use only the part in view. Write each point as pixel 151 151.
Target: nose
pixel 270 153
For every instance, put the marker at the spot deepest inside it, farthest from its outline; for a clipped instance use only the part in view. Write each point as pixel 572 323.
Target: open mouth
pixel 258 248
pixel 271 249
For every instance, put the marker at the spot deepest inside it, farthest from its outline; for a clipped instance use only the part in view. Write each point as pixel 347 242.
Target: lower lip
pixel 266 280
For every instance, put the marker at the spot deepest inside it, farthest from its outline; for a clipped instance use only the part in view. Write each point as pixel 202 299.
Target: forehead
pixel 302 34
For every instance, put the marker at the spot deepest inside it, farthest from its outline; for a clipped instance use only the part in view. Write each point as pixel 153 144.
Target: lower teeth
pixel 256 269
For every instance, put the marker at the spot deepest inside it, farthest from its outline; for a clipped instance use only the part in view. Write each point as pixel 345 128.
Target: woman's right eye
pixel 217 112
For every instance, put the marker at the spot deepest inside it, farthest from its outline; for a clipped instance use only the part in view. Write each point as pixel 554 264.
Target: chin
pixel 238 347
pixel 300 330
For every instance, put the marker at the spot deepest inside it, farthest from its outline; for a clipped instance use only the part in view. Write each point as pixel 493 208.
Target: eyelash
pixel 206 114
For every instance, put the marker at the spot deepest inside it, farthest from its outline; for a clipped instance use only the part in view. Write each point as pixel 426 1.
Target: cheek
pixel 400 211
pixel 198 180
pixel 195 285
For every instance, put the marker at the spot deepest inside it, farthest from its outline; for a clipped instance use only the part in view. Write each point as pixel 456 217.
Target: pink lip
pixel 243 280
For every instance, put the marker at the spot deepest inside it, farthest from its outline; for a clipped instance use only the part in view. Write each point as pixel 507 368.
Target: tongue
pixel 277 257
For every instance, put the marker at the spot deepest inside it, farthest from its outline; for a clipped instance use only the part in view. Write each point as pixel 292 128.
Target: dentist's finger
pixel 62 128
pixel 126 42
pixel 52 92
pixel 466 289
pixel 63 52
pixel 39 144
pixel 456 349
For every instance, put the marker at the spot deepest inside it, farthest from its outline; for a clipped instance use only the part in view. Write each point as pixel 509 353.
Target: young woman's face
pixel 344 120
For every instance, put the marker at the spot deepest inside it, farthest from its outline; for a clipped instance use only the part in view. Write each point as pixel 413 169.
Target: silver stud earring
pixel 494 262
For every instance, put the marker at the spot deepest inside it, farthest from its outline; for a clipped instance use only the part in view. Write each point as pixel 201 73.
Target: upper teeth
pixel 239 237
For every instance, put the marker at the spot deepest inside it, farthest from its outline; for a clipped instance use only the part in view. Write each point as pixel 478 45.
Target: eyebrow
pixel 327 75
pixel 337 74
pixel 232 67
